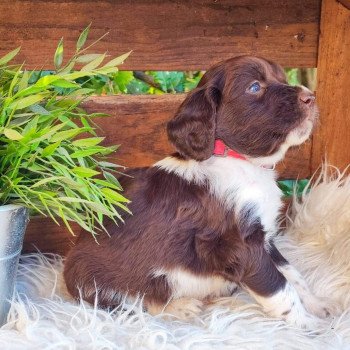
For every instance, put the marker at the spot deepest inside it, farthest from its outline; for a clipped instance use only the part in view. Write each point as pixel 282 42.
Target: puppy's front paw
pixel 183 308
pixel 320 307
pixel 302 320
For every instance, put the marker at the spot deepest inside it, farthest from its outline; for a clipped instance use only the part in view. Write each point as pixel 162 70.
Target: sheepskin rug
pixel 317 242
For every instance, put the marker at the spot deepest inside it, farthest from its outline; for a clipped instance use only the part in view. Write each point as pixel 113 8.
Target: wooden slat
pixel 332 139
pixel 46 236
pixel 165 34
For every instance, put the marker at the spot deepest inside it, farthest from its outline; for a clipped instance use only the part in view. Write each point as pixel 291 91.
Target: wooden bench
pixel 189 35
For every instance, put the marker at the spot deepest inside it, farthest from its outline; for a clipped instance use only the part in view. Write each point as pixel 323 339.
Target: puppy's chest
pixel 240 185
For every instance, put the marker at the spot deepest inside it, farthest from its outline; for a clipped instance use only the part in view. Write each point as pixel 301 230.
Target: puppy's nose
pixel 307 97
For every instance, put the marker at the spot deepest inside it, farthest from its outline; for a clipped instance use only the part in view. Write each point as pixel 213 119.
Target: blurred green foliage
pixel 151 82
pixel 291 187
pixel 155 82
pixel 292 76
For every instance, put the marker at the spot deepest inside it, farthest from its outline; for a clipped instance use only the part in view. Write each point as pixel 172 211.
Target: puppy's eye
pixel 254 88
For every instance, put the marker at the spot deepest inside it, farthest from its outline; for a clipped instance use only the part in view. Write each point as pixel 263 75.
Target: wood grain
pixel 46 236
pixel 165 34
pixel 332 139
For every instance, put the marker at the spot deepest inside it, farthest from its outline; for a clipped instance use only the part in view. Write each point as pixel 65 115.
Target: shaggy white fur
pixel 317 242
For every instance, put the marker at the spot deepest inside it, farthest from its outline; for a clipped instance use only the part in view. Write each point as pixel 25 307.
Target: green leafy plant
pixel 51 159
pixel 293 187
pixel 136 83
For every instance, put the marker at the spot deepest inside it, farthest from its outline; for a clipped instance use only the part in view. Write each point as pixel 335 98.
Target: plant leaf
pixel 109 165
pixel 68 68
pixel 58 58
pixel 12 134
pixel 84 172
pixel 23 83
pixel 25 102
pixel 113 195
pixel 46 180
pixel 48 151
pixel 79 74
pixel 85 152
pixel 87 58
pixel 93 64
pixel 105 183
pixel 62 83
pixel 111 178
pixel 118 60
pixel 82 37
pixel 66 134
pixel 38 109
pixel 46 80
pixel 8 57
pixel 92 141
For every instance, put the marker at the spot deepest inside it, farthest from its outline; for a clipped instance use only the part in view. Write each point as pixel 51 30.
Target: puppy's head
pixel 247 103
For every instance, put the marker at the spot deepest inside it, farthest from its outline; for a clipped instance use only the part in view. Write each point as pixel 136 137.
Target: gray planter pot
pixel 13 222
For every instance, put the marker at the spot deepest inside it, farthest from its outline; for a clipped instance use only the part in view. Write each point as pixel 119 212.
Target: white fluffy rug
pixel 318 243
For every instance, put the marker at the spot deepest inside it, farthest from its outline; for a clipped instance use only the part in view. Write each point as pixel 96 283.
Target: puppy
pixel 203 220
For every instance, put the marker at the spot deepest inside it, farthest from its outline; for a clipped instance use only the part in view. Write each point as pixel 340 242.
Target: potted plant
pixel 51 159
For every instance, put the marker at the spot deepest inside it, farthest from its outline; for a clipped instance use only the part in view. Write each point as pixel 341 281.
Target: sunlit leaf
pixel 23 83
pixel 85 152
pixel 93 64
pixel 12 134
pixel 87 58
pixel 62 83
pixel 46 80
pixel 118 60
pixel 88 142
pixel 26 101
pixel 84 172
pixel 46 180
pixel 82 38
pixel 109 193
pixel 50 149
pixel 8 57
pixel 58 58
pixel 66 134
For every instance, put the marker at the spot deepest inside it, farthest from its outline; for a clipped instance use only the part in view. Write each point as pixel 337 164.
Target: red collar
pixel 220 149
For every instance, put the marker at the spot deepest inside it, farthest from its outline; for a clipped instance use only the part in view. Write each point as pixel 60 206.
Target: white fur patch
pixel 185 284
pixel 316 306
pixel 286 304
pixel 238 184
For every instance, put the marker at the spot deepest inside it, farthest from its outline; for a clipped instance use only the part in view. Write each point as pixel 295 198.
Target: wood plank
pixel 332 139
pixel 44 235
pixel 165 34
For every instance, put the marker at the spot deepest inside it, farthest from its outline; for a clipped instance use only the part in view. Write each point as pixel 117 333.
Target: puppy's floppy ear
pixel 192 130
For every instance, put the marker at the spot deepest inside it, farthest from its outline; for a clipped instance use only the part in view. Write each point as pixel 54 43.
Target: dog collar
pixel 220 149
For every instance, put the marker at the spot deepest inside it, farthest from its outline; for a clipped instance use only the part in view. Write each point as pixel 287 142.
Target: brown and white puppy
pixel 203 224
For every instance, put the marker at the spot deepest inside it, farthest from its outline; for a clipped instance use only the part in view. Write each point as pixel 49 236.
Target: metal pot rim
pixel 10 207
